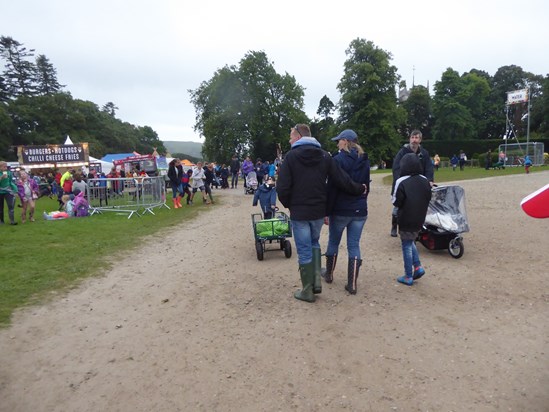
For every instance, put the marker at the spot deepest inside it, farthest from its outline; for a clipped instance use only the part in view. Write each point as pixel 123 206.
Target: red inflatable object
pixel 537 203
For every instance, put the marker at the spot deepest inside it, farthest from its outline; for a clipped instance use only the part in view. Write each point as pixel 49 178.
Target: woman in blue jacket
pixel 346 211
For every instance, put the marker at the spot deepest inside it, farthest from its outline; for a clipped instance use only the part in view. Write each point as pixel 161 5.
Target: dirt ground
pixel 193 321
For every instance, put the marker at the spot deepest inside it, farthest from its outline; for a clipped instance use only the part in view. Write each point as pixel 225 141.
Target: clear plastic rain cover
pixel 447 209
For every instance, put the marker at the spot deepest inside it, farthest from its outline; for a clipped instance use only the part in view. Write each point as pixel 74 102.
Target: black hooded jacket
pixel 411 195
pixel 301 185
pixel 426 165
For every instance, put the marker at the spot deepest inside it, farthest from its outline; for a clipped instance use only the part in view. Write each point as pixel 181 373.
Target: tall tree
pixel 247 109
pixel 219 105
pixel 323 129
pixel 4 93
pixel 506 79
pixel 540 109
pixel 110 108
pixel 473 95
pixel 46 76
pixel 20 74
pixel 325 107
pixel 368 102
pixel 453 119
pixel 6 134
pixel 147 140
pixel 418 109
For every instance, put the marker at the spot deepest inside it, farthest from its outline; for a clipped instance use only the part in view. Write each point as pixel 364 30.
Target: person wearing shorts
pixel 197 182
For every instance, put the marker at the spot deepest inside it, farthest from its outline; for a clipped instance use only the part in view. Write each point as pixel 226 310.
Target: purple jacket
pixel 247 166
pixel 21 188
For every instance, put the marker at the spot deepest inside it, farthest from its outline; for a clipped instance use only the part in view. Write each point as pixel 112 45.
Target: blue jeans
pixel 10 200
pixel 177 188
pixel 354 225
pixel 306 236
pixel 410 256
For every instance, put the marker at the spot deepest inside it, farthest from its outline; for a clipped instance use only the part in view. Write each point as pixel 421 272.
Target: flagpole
pixel 528 127
pixel 511 131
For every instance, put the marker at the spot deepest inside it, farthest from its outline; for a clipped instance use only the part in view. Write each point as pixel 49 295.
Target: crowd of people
pixel 204 177
pixel 28 186
pixel 318 189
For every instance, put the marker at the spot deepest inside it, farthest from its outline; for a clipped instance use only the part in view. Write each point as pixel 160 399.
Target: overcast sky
pixel 144 55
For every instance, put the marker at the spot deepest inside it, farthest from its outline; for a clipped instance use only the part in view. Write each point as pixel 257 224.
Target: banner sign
pixel 517 96
pixel 162 163
pixel 58 154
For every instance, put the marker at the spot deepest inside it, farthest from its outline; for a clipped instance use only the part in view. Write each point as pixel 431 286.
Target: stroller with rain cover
pixel 251 183
pixel 446 220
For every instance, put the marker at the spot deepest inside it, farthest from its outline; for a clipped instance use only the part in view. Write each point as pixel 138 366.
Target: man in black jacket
pixel 235 168
pixel 302 188
pixel 426 166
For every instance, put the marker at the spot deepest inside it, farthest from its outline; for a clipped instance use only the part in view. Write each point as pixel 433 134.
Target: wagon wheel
pixel 259 250
pixel 455 248
pixel 287 249
pixel 282 243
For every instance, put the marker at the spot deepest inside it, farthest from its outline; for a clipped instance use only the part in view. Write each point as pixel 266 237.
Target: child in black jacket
pixel 411 195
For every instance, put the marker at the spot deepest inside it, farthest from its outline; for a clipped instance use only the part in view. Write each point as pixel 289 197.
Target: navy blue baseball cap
pixel 346 134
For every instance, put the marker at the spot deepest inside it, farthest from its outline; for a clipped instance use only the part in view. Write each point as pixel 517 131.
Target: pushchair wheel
pixel 455 248
pixel 287 249
pixel 259 250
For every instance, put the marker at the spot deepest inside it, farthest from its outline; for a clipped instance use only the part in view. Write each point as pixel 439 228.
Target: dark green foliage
pixel 34 110
pixel 20 74
pixel 48 119
pixel 46 77
pixel 325 107
pixel 247 110
pixel 368 102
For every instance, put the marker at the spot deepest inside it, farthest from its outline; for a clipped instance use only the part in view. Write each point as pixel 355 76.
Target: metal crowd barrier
pixel 132 195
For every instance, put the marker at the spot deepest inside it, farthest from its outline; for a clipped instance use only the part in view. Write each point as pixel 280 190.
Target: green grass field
pixel 45 257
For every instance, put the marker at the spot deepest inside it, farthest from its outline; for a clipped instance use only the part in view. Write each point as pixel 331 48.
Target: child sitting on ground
pixel 411 196
pixel 68 204
pixel 266 194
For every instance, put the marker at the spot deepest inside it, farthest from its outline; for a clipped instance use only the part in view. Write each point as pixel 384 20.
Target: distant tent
pixel 111 157
pixel 105 166
pixel 68 141
pixel 187 162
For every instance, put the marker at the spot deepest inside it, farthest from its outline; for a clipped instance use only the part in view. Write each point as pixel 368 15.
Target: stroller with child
pixel 251 183
pixel 446 220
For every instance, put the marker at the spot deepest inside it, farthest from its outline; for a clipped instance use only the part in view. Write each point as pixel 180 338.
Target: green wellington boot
pixel 317 286
pixel 307 280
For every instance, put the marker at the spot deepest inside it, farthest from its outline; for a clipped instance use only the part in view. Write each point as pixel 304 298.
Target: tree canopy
pixel 34 110
pixel 247 109
pixel 368 102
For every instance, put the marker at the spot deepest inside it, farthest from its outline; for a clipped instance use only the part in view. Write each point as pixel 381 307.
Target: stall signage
pixel 76 153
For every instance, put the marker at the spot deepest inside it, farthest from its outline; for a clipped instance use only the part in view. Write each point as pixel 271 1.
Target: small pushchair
pixel 267 231
pixel 446 220
pixel 251 183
